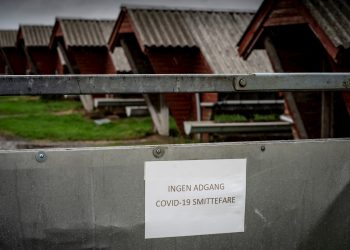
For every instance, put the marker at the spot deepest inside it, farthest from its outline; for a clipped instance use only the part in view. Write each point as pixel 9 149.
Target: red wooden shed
pixel 33 40
pixel 158 40
pixel 306 36
pixel 82 43
pixel 12 60
pixel 82 49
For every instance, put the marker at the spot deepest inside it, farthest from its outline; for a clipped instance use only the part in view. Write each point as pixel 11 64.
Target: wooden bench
pixel 136 111
pixel 195 127
pixel 118 102
pixel 244 106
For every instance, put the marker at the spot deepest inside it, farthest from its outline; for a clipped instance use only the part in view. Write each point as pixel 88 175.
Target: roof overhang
pixel 255 32
pixel 114 38
pixel 20 39
pixel 56 33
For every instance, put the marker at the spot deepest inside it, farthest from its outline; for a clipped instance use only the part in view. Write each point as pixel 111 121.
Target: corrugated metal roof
pixel 86 32
pixel 107 28
pixel 162 28
pixel 333 16
pixel 120 61
pixel 214 33
pixel 36 35
pixel 8 38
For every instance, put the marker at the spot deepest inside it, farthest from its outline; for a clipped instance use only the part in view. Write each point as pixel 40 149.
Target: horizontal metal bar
pixel 235 127
pixel 107 84
pixel 293 82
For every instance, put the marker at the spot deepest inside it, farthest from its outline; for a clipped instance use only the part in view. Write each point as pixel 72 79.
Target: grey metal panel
pixel 298 197
pixel 36 35
pixel 333 16
pixel 140 83
pixel 8 38
pixel 215 33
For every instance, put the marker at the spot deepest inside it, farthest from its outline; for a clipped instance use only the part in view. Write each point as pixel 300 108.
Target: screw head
pixel 242 83
pixel 158 152
pixel 40 156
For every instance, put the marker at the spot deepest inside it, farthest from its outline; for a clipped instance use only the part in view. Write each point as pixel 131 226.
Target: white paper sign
pixel 194 197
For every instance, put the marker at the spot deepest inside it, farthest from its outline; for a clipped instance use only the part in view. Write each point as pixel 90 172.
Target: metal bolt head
pixel 242 83
pixel 158 152
pixel 40 156
pixel 346 83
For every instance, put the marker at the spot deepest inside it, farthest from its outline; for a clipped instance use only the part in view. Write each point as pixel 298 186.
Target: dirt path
pixel 19 143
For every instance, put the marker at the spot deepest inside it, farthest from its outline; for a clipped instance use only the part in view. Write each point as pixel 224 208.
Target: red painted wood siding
pixel 181 61
pixel 59 68
pixel 2 65
pixel 285 12
pixel 17 60
pixel 92 60
pixel 44 59
pixel 126 26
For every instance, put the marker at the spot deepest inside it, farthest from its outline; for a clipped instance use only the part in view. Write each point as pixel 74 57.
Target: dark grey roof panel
pixel 162 28
pixel 107 28
pixel 8 38
pixel 86 32
pixel 215 33
pixel 36 35
pixel 333 16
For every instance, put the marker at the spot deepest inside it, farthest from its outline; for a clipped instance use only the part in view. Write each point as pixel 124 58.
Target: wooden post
pixel 86 100
pixel 140 65
pixel 34 69
pixel 62 52
pixel 289 97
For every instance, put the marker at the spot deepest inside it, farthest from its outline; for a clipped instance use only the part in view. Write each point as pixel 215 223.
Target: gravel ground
pixel 8 143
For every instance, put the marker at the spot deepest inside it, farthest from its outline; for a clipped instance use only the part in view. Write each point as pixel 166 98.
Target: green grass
pixel 265 118
pixel 241 118
pixel 230 118
pixel 34 118
pixel 74 127
pixel 34 105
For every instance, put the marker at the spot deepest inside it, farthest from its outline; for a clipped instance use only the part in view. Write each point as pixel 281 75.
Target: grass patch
pixel 74 127
pixel 242 118
pixel 34 105
pixel 230 118
pixel 265 118
pixel 34 118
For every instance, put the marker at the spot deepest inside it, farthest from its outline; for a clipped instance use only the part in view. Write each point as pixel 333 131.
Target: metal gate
pixel 297 192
